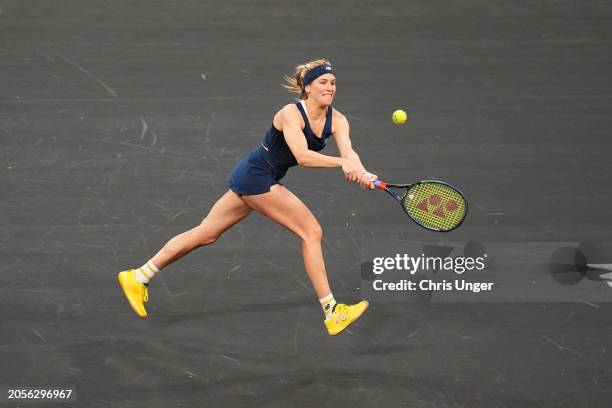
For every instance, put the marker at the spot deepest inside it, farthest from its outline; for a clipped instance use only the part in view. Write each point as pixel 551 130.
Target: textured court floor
pixel 120 122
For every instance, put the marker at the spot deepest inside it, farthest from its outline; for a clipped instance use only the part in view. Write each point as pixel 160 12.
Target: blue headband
pixel 316 72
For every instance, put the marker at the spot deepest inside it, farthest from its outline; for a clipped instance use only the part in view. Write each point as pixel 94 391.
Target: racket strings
pixel 435 205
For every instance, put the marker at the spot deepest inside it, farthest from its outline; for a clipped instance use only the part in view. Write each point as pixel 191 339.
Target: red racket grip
pixel 380 184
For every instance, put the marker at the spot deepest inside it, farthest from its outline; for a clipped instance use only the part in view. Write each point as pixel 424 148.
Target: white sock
pixel 146 272
pixel 328 303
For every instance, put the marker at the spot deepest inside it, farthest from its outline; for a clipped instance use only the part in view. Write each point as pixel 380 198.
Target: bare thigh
pixel 284 207
pixel 227 211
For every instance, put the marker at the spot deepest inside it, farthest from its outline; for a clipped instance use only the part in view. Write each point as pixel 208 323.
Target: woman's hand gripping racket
pixel 432 204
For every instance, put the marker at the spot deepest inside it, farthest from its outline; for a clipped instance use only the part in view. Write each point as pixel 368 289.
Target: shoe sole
pixel 352 321
pixel 128 298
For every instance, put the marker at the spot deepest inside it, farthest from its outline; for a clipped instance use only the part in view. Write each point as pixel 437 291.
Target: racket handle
pixel 380 184
pixel 377 183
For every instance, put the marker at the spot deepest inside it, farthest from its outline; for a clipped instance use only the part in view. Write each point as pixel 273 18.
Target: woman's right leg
pixel 226 212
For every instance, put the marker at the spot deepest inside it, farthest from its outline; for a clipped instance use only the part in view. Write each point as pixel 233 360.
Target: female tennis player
pixel 299 130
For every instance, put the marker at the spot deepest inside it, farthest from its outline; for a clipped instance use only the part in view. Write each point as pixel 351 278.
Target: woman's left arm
pixel 343 141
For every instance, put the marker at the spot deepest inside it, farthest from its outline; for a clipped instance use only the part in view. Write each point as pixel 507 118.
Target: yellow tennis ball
pixel 399 117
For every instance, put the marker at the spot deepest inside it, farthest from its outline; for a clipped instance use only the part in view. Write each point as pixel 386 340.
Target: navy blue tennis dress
pixel 266 164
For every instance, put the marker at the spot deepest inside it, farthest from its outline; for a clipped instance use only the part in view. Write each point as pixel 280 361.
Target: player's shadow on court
pixel 568 266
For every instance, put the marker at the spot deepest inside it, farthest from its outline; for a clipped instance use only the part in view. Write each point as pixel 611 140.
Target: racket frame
pixel 381 185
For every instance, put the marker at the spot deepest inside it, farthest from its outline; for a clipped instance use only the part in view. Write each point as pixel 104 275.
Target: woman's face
pixel 322 89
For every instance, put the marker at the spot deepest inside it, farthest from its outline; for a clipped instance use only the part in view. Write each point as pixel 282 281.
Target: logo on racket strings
pixel 440 207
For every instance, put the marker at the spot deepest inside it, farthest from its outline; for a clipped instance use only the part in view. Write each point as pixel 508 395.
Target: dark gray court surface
pixel 120 122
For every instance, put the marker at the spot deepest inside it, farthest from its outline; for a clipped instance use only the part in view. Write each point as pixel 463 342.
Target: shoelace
pixel 145 293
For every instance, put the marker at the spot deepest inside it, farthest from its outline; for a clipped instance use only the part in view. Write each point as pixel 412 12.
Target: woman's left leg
pixel 285 208
pixel 282 206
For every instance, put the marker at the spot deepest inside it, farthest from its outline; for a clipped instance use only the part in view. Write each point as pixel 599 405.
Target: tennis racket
pixel 432 204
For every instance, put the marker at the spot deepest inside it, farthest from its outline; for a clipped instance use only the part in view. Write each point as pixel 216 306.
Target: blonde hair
pixel 295 84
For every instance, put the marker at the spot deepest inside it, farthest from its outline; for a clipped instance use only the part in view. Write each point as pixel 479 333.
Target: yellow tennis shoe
pixel 344 315
pixel 136 293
